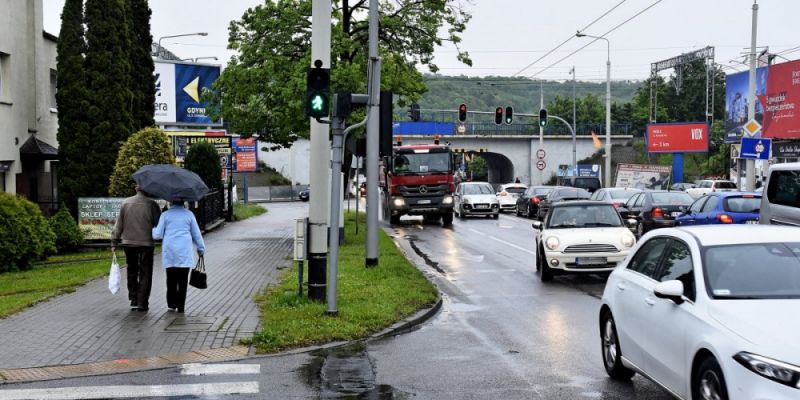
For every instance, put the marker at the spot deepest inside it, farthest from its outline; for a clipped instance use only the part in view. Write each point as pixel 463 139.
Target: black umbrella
pixel 170 182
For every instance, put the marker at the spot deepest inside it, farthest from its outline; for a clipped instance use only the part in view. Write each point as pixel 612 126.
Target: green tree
pixel 73 128
pixel 203 160
pixel 479 168
pixel 263 87
pixel 142 81
pixel 110 100
pixel 68 235
pixel 148 146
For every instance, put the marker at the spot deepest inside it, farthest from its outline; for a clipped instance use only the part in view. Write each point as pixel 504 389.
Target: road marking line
pixel 131 391
pixel 219 369
pixel 504 242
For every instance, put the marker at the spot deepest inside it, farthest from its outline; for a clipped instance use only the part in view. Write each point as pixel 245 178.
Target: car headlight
pixel 775 370
pixel 551 243
pixel 628 241
pixel 399 202
pixel 447 200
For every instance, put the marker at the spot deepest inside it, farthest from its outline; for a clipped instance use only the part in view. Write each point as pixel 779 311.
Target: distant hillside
pixel 484 94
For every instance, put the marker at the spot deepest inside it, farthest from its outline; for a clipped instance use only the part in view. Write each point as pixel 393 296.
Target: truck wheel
pixel 394 220
pixel 447 218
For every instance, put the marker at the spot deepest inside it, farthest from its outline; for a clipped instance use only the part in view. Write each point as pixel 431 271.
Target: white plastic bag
pixel 113 276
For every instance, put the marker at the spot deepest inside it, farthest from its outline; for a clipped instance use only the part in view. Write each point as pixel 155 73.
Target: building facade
pixel 28 112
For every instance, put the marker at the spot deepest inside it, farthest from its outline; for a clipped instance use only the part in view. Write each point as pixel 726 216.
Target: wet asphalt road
pixel 501 333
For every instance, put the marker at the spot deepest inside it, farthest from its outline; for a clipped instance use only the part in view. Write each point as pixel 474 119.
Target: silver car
pixel 476 198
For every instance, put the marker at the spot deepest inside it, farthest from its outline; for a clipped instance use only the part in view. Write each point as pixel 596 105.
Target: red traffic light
pixel 498 115
pixel 462 112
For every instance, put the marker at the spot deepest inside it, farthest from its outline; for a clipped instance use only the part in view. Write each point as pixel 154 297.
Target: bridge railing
pixel 553 128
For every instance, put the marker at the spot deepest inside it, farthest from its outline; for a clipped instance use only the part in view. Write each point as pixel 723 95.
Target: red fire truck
pixel 418 180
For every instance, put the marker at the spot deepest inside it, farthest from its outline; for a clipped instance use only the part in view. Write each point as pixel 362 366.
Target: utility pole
pixel 574 123
pixel 320 154
pixel 541 129
pixel 373 138
pixel 750 165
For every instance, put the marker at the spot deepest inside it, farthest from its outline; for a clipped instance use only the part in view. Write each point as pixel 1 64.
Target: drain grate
pixel 191 324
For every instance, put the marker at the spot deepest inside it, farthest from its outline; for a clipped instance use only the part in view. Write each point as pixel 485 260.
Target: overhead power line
pixel 601 36
pixel 568 39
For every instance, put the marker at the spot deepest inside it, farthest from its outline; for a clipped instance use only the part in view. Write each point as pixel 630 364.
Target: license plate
pixel 481 206
pixel 676 214
pixel 591 261
pixel 752 222
pixel 424 202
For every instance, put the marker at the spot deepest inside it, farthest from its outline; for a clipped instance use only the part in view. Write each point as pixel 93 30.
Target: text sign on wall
pixel 677 138
pixel 97 216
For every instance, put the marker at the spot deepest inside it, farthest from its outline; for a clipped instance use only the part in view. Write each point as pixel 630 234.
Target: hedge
pixel 25 234
pixel 68 235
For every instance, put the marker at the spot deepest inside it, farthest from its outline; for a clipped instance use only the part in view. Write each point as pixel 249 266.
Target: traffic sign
pixel 541 165
pixel 755 148
pixel 540 154
pixel 752 127
pixel 461 129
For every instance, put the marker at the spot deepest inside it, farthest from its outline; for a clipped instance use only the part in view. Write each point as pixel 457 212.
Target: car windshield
pixel 515 189
pixel 584 216
pixel 570 194
pixel 542 191
pixel 753 271
pixel 587 183
pixel 675 199
pixel 750 204
pixel 621 194
pixel 413 163
pixel 478 189
pixel 725 185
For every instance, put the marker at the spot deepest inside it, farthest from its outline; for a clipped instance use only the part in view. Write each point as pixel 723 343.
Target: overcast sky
pixel 505 36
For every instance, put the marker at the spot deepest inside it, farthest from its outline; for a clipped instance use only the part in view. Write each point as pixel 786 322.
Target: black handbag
pixel 197 277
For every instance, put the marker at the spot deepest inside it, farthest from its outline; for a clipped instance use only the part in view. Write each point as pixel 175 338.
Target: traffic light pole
pixel 320 154
pixel 373 138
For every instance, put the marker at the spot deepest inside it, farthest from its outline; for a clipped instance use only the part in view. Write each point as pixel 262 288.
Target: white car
pixel 508 195
pixel 581 236
pixel 707 186
pixel 708 312
pixel 475 198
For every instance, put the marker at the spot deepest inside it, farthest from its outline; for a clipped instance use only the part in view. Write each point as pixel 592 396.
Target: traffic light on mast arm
pixel 543 118
pixel 318 81
pixel 509 115
pixel 413 112
pixel 498 115
pixel 462 112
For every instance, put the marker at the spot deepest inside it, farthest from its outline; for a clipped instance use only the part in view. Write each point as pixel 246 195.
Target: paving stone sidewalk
pixel 93 325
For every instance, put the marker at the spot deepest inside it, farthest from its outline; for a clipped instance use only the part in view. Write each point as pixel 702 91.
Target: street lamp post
pixel 608 106
pixel 174 36
pixel 574 122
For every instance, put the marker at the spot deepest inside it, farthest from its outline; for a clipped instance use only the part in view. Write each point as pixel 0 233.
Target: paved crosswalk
pixel 199 390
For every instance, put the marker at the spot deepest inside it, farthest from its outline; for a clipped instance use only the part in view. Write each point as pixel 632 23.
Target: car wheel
pixel 530 212
pixel 612 356
pixel 546 273
pixel 447 218
pixel 394 219
pixel 709 383
pixel 496 216
pixel 517 210
pixel 640 230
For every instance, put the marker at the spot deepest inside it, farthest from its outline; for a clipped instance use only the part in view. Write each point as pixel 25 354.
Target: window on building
pixel 4 76
pixel 53 90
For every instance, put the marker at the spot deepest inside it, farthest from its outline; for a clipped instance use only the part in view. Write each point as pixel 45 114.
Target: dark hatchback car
pixel 558 195
pixel 588 183
pixel 655 209
pixel 304 194
pixel 528 202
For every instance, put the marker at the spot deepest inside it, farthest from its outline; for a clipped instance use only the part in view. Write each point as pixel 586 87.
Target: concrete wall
pixel 521 152
pixel 27 60
pixel 293 163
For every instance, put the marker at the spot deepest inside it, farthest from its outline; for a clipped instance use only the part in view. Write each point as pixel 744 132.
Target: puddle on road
pixel 428 260
pixel 347 373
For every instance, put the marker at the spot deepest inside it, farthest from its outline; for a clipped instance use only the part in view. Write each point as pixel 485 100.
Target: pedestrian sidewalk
pixel 92 325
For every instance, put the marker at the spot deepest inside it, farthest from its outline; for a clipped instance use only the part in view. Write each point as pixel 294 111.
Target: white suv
pixel 707 186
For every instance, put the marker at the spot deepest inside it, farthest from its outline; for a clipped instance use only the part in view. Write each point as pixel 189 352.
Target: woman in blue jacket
pixel 178 228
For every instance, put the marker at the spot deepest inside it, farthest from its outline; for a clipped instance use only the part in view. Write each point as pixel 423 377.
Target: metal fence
pixel 272 193
pixel 210 210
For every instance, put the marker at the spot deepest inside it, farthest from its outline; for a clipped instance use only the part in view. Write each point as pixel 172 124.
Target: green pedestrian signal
pixel 509 115
pixel 318 82
pixel 543 118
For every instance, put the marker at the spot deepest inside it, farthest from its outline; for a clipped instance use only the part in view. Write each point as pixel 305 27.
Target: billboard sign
pixel 245 153
pixel 782 101
pixel 789 149
pixel 98 215
pixel 677 138
pixel 592 170
pixel 736 101
pixel 755 148
pixel 179 87
pixel 640 176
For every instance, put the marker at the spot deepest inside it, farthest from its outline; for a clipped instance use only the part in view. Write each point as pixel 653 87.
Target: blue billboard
pixel 179 88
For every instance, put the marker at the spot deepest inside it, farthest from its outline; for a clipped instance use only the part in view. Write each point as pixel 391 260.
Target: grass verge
pixel 369 300
pixel 22 289
pixel 244 211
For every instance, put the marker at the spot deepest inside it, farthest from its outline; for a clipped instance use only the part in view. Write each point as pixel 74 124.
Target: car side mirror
pixel 537 225
pixel 670 290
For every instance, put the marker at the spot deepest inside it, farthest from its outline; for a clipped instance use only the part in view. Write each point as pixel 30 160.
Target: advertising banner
pixel 755 148
pixel 677 138
pixel 179 88
pixel 245 155
pixel 592 170
pixel 97 215
pixel 782 101
pixel 641 176
pixel 790 149
pixel 736 90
